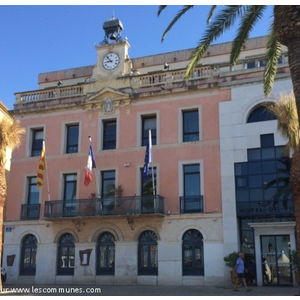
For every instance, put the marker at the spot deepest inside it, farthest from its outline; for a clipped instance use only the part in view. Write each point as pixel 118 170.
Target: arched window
pixel 147 253
pixel 28 255
pixel 66 255
pixel 260 114
pixel 192 253
pixel 106 254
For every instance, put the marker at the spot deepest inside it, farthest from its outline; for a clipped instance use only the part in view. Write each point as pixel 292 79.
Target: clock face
pixel 110 61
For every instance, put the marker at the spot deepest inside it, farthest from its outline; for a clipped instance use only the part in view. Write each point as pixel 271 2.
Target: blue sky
pixel 45 38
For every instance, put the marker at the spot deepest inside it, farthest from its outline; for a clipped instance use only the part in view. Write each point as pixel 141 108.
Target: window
pixel 192 200
pixel 28 255
pixel 190 125
pixel 108 191
pixel 108 184
pixel 70 187
pixel 148 122
pixel 109 134
pixel 106 254
pixel 31 210
pixel 148 184
pixel 260 114
pixel 262 183
pixel 37 142
pixel 66 255
pixel 147 254
pixel 72 138
pixel 192 253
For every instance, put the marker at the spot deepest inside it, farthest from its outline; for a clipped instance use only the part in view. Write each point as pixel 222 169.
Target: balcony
pixel 30 211
pixel 115 206
pixel 265 209
pixel 191 204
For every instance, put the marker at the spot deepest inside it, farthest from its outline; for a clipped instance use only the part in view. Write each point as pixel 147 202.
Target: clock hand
pixel 108 59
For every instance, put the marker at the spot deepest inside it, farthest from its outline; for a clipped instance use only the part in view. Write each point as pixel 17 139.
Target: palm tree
pixel 10 137
pixel 283 30
pixel 288 126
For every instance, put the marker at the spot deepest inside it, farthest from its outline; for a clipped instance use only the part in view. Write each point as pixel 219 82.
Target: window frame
pixel 29 242
pixel 69 244
pixel 108 244
pixel 105 123
pixel 36 144
pixel 148 241
pixel 68 133
pixel 194 244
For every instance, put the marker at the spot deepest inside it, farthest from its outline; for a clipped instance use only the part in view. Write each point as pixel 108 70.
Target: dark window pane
pixel 190 126
pixel 241 169
pixel 148 122
pixel 254 168
pixel 242 195
pixel 109 134
pixel 255 181
pixel 267 140
pixel 260 114
pixel 254 154
pixel 37 142
pixel 268 153
pixel 72 138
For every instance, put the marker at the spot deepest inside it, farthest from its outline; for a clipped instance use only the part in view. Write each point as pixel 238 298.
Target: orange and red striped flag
pixel 41 167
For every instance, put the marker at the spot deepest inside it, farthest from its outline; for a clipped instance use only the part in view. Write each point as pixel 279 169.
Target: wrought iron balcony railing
pixel 265 208
pixel 104 207
pixel 30 211
pixel 191 204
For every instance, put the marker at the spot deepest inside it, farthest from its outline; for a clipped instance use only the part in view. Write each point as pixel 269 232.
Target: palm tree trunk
pixel 2 202
pixel 1 236
pixel 295 188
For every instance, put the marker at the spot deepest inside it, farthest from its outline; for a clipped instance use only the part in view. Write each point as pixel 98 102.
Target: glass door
pixel 276 264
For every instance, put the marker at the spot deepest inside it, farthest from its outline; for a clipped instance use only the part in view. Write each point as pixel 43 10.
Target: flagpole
pixel 153 183
pixel 97 185
pixel 46 169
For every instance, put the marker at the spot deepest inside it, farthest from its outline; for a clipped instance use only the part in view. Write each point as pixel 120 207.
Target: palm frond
pixel 175 19
pixel 251 15
pixel 10 137
pixel 160 9
pixel 223 21
pixel 285 110
pixel 273 52
pixel 211 12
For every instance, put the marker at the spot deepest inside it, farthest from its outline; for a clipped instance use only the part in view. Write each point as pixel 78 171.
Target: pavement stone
pixel 143 290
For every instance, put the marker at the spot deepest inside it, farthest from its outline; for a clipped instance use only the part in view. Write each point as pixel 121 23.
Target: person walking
pixel 240 270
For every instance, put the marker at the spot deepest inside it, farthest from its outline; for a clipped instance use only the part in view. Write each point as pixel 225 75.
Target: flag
pixel 148 156
pixel 41 167
pixel 89 166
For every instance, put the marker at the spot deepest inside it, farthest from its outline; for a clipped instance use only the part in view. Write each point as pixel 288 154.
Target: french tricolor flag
pixel 89 167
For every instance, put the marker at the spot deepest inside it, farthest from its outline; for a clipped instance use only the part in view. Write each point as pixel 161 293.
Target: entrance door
pixel 276 265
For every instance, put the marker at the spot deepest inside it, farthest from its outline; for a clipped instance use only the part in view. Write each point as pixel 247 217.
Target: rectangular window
pixel 190 125
pixel 37 141
pixel 192 200
pixel 72 138
pixel 191 177
pixel 108 184
pixel 31 210
pixel 149 182
pixel 109 134
pixel 33 192
pixel 70 187
pixel 148 122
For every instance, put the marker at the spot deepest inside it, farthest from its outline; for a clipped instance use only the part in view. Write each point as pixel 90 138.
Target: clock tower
pixel 112 53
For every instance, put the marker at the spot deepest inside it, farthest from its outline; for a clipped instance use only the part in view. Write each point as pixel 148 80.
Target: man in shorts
pixel 240 270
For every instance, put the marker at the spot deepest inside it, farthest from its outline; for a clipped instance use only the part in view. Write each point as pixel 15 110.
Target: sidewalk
pixel 142 290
